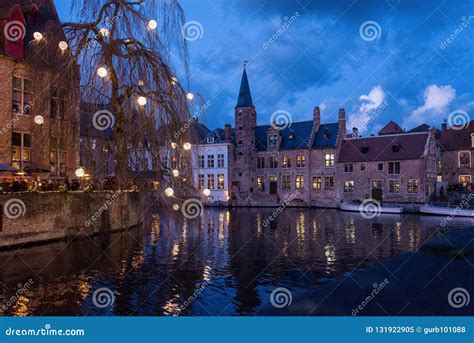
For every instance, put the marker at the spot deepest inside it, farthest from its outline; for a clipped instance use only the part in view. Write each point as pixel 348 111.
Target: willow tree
pixel 127 50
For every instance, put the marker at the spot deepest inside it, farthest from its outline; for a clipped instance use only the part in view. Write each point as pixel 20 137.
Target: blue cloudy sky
pixel 304 53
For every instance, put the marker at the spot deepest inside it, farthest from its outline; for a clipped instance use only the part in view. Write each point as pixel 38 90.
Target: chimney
pixel 355 132
pixel 444 126
pixel 342 122
pixel 316 117
pixel 228 133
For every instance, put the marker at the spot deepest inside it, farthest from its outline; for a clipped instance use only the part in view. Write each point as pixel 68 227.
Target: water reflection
pixel 155 269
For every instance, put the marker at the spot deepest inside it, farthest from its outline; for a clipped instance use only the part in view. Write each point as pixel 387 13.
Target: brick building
pixel 39 119
pixel 457 146
pixel 394 166
pixel 272 164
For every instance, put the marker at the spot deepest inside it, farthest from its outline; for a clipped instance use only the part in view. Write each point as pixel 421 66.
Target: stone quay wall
pixel 28 218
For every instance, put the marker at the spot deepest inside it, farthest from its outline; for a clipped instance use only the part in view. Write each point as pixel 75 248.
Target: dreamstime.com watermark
pixel 279 210
pixel 465 22
pixel 201 110
pixel 199 288
pixel 22 289
pixel 460 207
pixel 287 21
pixel 111 199
pixel 46 331
pixel 375 114
pixel 377 288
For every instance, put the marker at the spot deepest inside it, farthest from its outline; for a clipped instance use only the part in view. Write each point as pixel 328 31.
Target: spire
pixel 245 98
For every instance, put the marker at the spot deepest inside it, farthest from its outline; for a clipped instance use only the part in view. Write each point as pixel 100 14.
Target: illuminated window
pixel 412 186
pixel 220 181
pixel 299 182
pixel 286 182
pixel 348 186
pixel 329 160
pixel 260 183
pixel 300 161
pixel 465 180
pixel 286 162
pixel 21 150
pixel 273 140
pixel 317 182
pixel 210 181
pixel 394 186
pixel 377 184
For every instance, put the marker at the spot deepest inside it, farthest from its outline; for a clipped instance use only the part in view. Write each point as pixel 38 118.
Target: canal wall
pixel 28 218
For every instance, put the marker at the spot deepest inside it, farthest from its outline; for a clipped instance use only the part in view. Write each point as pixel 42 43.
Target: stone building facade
pixel 457 146
pixel 391 167
pixel 295 163
pixel 311 163
pixel 39 120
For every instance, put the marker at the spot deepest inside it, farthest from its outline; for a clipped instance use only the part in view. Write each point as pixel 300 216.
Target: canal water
pixel 230 262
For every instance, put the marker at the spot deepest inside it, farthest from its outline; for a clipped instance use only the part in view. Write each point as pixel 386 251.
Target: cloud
pixel 367 110
pixel 436 101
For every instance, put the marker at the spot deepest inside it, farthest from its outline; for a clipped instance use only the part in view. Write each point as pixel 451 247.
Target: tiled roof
pixel 326 136
pixel 301 132
pixel 391 128
pixel 383 148
pixel 457 139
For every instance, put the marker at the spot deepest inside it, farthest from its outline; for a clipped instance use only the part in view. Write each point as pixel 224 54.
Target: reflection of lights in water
pixel 412 239
pixel 206 274
pixel 227 217
pixel 300 226
pixel 175 250
pixel 84 287
pixel 221 227
pixel 138 260
pixel 171 307
pixel 316 230
pixel 20 309
pixel 330 253
pixel 398 232
pixel 185 232
pixel 258 224
pixel 350 233
pixel 155 229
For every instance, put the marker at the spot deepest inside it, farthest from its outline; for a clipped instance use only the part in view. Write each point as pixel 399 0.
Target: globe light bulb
pixel 175 207
pixel 141 100
pixel 80 172
pixel 38 36
pixel 206 192
pixel 190 96
pixel 63 45
pixel 187 146
pixel 102 72
pixel 104 32
pixel 39 119
pixel 152 24
pixel 175 172
pixel 174 145
pixel 169 192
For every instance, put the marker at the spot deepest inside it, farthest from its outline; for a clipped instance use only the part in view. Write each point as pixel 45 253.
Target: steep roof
pixel 391 128
pixel 245 97
pixel 297 136
pixel 382 148
pixel 453 139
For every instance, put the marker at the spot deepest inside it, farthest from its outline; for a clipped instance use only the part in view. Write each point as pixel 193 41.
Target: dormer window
pixel 210 139
pixel 326 134
pixel 364 150
pixel 273 140
pixel 396 148
pixel 291 136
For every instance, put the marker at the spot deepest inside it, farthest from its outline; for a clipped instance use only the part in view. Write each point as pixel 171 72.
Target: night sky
pixel 319 55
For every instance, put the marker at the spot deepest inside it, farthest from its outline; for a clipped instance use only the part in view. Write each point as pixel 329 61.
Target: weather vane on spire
pixel 245 64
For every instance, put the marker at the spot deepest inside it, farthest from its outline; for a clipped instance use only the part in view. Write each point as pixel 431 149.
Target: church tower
pixel 245 152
